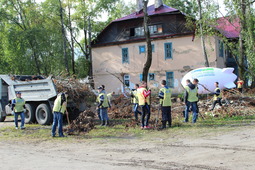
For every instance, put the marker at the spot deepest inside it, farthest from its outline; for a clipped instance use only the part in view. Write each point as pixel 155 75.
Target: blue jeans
pixel 57 121
pixel 194 109
pixel 136 111
pixel 22 115
pixel 103 114
pixel 146 112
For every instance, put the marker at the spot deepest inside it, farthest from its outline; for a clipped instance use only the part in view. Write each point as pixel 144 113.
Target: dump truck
pixel 39 94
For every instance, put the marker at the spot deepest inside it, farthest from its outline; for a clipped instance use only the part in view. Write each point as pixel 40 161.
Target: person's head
pixel 136 86
pixel 144 84
pixel 239 78
pixel 163 83
pixel 18 94
pixel 216 84
pixel 113 93
pixel 103 86
pixel 64 96
pixel 100 89
pixel 195 81
pixel 188 81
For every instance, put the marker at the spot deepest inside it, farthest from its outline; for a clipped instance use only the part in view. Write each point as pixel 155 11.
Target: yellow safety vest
pixel 215 96
pixel 135 98
pixel 105 102
pixel 58 107
pixel 19 104
pixel 192 94
pixel 240 84
pixel 141 99
pixel 166 101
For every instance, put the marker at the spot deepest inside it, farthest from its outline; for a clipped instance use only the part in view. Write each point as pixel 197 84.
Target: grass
pixel 120 131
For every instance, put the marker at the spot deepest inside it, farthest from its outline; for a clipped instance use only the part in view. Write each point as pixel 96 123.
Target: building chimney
pixel 139 5
pixel 158 3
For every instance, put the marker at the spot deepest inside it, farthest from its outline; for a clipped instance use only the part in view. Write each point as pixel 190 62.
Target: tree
pixel 147 64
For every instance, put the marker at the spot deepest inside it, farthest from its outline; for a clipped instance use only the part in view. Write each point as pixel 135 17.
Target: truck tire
pixel 30 114
pixel 43 114
pixel 2 118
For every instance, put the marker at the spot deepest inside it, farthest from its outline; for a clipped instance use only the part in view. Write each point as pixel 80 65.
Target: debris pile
pixel 83 123
pixel 77 92
pixel 121 108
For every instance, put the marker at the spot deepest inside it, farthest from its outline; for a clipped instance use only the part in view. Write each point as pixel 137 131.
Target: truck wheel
pixel 30 114
pixel 2 118
pixel 43 114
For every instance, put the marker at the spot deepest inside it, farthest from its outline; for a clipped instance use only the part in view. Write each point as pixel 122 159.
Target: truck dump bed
pixel 32 90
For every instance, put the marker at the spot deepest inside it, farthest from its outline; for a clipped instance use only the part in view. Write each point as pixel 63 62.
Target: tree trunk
pixel 90 52
pixel 147 65
pixel 202 36
pixel 63 37
pixel 241 57
pixel 72 37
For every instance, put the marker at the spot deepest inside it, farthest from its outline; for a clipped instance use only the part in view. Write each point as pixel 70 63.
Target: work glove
pixel 12 112
pixel 25 110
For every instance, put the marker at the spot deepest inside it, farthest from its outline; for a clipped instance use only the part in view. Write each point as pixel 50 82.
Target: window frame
pixel 171 50
pixel 167 80
pixel 124 62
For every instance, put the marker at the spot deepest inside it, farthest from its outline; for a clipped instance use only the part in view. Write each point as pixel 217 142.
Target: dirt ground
pixel 229 147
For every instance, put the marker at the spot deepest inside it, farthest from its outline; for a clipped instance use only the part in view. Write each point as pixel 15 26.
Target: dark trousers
pixel 215 102
pixel 22 116
pixel 194 109
pixel 240 90
pixel 166 114
pixel 57 122
pixel 98 113
pixel 136 111
pixel 145 112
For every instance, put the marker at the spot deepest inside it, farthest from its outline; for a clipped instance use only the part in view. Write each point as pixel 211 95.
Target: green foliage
pixel 82 66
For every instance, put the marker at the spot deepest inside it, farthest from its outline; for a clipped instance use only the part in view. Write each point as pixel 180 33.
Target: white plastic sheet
pixel 207 76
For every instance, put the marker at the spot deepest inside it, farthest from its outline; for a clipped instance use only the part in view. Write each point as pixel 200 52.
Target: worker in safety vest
pixel 191 99
pixel 103 105
pixel 18 108
pixel 144 101
pixel 240 84
pixel 217 96
pixel 134 100
pixel 165 103
pixel 59 109
pixel 109 96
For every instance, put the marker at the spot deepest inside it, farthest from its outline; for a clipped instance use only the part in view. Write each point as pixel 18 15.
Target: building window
pixel 153 47
pixel 170 79
pixel 151 76
pixel 221 48
pixel 168 51
pixel 125 57
pixel 142 49
pixel 139 31
pixel 126 80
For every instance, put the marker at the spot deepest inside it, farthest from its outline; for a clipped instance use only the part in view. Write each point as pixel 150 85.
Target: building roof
pixel 163 9
pixel 229 28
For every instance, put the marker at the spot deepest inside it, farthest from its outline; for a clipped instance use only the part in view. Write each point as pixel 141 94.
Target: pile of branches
pixel 121 108
pixel 77 92
pixel 83 123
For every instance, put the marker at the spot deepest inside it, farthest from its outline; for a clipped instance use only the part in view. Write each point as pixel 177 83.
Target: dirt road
pixel 221 148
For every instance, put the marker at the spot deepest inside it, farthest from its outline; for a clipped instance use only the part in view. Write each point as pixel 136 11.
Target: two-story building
pixel 119 51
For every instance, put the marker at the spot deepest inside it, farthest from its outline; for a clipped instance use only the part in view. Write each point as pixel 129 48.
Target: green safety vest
pixel 166 101
pixel 135 98
pixel 215 96
pixel 105 102
pixel 192 94
pixel 57 105
pixel 19 104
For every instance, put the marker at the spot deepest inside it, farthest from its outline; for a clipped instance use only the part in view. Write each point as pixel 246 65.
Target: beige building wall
pixel 109 70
